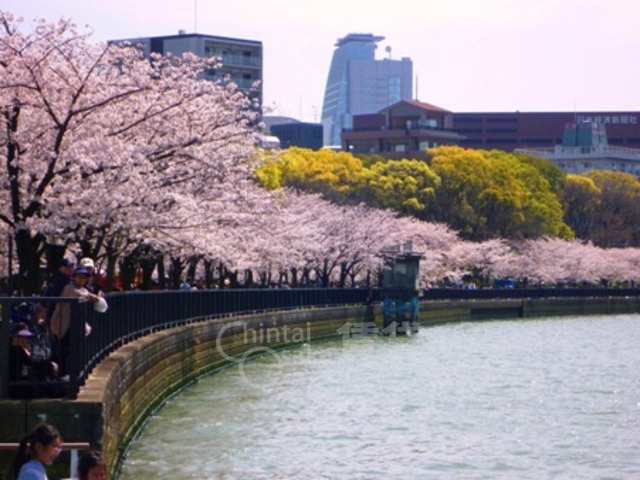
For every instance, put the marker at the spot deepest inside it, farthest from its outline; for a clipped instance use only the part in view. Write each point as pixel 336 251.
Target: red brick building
pixel 508 131
pixel 412 126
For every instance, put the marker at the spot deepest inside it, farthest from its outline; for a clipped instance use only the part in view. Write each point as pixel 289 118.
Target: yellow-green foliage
pixel 493 193
pixel 318 171
pixel 404 185
pixel 483 194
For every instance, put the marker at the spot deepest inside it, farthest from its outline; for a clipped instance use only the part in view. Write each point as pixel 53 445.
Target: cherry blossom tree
pixel 96 136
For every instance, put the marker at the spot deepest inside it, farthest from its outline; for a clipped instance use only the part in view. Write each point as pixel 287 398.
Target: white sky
pixel 468 55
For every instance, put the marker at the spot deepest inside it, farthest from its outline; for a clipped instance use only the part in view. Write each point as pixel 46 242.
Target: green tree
pixel 330 173
pixel 490 194
pixel 407 186
pixel 554 174
pixel 581 198
pixel 617 222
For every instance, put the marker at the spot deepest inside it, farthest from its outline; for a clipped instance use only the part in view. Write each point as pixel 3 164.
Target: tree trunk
pixel 162 274
pixel 28 252
pixel 294 277
pixel 53 255
pixel 112 259
pixel 192 267
pixel 208 273
pixel 148 265
pixel 128 267
pixel 176 266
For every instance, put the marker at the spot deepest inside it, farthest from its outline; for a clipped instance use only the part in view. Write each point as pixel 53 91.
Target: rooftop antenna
pixel 388 50
pixel 195 16
pixel 417 97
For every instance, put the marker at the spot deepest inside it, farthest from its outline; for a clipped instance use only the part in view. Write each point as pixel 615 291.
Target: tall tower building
pixel 359 84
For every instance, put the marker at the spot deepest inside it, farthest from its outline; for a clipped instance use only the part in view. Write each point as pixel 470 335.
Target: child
pixel 91 466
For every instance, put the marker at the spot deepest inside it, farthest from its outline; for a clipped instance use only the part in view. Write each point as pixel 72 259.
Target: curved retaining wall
pixel 132 382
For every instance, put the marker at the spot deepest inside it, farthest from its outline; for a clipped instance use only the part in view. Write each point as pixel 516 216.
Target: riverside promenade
pixel 148 346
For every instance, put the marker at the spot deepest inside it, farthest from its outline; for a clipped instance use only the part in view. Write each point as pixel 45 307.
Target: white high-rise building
pixel 359 84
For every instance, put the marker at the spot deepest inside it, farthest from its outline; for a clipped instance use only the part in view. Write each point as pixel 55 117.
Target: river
pixel 511 399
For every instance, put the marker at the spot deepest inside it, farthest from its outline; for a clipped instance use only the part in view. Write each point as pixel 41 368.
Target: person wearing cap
pixel 61 318
pixel 22 366
pixel 93 283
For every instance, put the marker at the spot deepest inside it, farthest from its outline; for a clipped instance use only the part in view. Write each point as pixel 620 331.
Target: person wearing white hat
pixel 93 285
pixel 87 263
pixel 61 318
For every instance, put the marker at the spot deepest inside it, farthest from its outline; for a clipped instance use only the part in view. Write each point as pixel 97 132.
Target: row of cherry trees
pixel 143 166
pixel 102 147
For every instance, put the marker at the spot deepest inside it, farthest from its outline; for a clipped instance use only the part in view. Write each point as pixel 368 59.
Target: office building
pixel 585 147
pixel 359 84
pixel 241 59
pixel 508 131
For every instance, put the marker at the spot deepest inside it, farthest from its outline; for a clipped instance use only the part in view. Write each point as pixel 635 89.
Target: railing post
pixel 5 328
pixel 73 466
pixel 76 335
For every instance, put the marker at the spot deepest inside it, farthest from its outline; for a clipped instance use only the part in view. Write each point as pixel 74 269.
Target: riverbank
pixel 135 380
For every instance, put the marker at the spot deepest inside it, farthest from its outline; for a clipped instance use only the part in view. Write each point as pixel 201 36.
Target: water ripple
pixel 526 399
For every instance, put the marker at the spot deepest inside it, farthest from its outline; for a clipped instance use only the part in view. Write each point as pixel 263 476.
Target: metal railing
pixel 523 293
pixel 134 314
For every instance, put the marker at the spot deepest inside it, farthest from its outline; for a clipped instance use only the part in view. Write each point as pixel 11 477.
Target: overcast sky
pixel 468 55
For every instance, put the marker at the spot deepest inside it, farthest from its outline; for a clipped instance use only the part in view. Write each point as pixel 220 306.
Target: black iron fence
pixel 134 314
pixel 522 293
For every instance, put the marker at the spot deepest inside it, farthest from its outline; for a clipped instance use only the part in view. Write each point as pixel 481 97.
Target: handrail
pixel 132 315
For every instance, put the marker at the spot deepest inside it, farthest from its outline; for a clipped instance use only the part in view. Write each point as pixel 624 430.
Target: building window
pixel 395 89
pixel 501 120
pixel 538 141
pixel 501 130
pixel 467 120
pixel 501 140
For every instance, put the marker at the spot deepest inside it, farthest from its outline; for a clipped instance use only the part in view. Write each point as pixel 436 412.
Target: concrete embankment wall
pixel 132 382
pixel 126 387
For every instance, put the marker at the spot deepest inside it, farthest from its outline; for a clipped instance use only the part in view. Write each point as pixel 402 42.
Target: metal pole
pixel 4 348
pixel 73 467
pixel 195 16
pixel 10 260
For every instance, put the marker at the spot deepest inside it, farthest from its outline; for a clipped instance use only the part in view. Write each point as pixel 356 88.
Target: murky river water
pixel 526 399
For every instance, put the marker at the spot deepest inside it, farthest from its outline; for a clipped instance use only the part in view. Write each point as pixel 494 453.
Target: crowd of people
pixel 40 449
pixel 40 339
